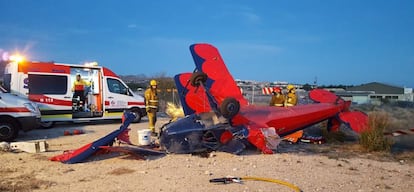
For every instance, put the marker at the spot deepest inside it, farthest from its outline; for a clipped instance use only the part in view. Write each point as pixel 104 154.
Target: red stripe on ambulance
pixel 136 103
pixel 49 100
pixel 13 109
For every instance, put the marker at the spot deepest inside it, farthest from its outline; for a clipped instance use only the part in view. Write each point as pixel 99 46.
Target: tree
pixel 307 87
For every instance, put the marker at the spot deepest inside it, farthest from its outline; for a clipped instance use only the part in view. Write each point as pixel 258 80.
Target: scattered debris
pixel 4 146
pixel 30 147
pixel 105 144
pixel 401 132
pixel 74 132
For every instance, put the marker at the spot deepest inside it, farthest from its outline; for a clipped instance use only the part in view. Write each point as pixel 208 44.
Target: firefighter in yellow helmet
pixel 278 99
pixel 151 104
pixel 291 98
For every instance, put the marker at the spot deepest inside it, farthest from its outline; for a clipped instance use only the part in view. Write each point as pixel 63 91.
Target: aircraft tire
pixel 197 78
pixel 229 107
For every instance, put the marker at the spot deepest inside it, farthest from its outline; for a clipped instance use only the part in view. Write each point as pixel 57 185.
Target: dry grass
pixel 399 117
pixel 373 139
pixel 373 144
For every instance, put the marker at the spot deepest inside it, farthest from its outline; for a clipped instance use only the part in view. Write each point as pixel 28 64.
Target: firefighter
pixel 151 105
pixel 291 98
pixel 278 99
pixel 78 88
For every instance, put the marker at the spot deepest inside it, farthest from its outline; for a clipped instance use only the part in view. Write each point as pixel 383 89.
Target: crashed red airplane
pixel 218 117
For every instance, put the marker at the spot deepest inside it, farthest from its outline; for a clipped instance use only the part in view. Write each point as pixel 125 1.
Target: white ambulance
pixel 50 85
pixel 16 114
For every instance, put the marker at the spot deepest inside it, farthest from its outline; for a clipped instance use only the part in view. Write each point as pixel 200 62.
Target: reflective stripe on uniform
pixel 79 88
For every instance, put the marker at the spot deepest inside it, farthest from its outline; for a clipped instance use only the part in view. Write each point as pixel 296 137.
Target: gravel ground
pixel 326 167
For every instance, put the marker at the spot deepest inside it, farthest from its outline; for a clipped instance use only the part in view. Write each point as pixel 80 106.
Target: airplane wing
pixel 79 155
pixel 288 120
pixel 220 83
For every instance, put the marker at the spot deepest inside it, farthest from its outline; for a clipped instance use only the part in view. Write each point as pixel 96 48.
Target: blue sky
pixel 335 41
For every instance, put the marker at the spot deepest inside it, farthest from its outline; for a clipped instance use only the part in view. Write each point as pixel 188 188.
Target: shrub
pixel 333 136
pixel 373 139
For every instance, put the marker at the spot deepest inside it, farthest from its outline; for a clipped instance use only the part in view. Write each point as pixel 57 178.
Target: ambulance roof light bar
pixel 16 58
pixel 91 64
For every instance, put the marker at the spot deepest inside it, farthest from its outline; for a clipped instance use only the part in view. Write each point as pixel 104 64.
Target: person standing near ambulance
pixel 151 105
pixel 79 88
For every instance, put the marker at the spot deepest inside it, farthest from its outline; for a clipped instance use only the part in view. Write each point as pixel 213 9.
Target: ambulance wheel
pixel 138 115
pixel 229 107
pixel 46 124
pixel 9 129
pixel 197 78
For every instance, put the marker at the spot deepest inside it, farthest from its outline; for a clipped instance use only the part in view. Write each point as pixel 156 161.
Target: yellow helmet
pixel 153 83
pixel 289 87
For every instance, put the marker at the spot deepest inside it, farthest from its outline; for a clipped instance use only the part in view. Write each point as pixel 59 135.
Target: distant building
pixel 376 93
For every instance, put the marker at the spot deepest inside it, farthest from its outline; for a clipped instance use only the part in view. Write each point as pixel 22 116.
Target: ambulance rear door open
pixel 93 92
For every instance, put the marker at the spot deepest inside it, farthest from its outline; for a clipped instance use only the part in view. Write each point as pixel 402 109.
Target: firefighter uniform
pixel 278 99
pixel 292 100
pixel 151 104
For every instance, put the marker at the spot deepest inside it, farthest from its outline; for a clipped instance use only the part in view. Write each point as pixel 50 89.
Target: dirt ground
pixel 326 167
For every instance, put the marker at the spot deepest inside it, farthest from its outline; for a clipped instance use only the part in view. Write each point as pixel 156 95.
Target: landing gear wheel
pixel 229 107
pixel 9 129
pixel 197 78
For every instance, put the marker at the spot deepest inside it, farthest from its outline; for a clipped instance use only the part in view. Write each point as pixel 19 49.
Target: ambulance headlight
pixel 32 107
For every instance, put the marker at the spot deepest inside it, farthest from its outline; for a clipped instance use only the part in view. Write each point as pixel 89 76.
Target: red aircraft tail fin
pixel 219 88
pixel 220 82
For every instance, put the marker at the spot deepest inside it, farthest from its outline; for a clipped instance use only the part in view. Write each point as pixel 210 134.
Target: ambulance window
pixel 115 86
pixel 6 83
pixel 47 84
